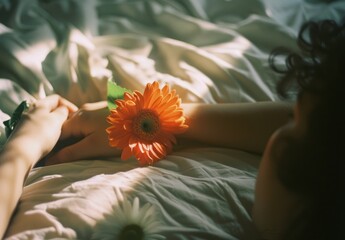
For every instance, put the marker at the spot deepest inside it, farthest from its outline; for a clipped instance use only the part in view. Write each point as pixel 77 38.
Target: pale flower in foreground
pixel 129 221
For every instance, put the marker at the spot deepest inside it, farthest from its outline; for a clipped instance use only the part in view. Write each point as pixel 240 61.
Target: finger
pixel 85 149
pixel 61 113
pixel 53 101
pixel 95 105
pixel 70 106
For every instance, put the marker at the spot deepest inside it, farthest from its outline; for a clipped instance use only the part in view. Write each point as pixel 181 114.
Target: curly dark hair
pixel 315 166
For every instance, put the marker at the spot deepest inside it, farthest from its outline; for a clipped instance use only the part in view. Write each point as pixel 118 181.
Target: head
pixel 308 154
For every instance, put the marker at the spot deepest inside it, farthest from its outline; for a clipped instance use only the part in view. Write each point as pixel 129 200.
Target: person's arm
pixel 244 126
pixel 34 137
pixel 14 167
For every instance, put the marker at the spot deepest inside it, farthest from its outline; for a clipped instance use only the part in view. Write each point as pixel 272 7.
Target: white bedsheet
pixel 199 193
pixel 211 51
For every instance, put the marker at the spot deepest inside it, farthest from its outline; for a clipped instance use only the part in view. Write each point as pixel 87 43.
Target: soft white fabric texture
pixel 211 51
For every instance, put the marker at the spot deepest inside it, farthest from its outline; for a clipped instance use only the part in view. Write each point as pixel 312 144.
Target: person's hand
pixel 39 128
pixel 33 137
pixel 85 135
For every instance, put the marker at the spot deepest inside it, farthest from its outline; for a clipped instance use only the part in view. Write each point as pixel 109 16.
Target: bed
pixel 210 51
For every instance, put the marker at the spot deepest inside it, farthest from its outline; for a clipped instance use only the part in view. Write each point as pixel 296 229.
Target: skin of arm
pixel 244 126
pixel 34 137
pixel 14 168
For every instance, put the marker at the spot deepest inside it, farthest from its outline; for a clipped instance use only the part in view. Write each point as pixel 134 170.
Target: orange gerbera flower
pixel 144 125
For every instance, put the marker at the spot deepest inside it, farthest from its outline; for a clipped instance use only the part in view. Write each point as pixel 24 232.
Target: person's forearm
pixel 244 126
pixel 13 170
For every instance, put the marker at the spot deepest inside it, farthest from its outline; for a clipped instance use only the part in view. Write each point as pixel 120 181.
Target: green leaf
pixel 115 92
pixel 17 114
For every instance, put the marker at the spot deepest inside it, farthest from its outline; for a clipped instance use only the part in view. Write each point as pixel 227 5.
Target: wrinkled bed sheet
pixel 210 51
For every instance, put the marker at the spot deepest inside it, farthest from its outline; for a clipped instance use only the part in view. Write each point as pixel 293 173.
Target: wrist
pixel 23 150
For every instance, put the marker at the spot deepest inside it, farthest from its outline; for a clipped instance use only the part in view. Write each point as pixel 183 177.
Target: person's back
pixel 307 155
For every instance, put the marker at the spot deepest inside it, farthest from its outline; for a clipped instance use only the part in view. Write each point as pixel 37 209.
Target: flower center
pixel 131 232
pixel 146 125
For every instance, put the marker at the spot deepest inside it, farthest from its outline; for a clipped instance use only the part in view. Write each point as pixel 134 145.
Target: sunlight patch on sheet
pixel 33 55
pixel 268 11
pixel 231 51
pixel 79 38
pixel 200 87
pixel 56 196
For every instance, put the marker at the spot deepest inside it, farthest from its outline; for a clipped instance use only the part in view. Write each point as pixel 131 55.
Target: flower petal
pixel 126 153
